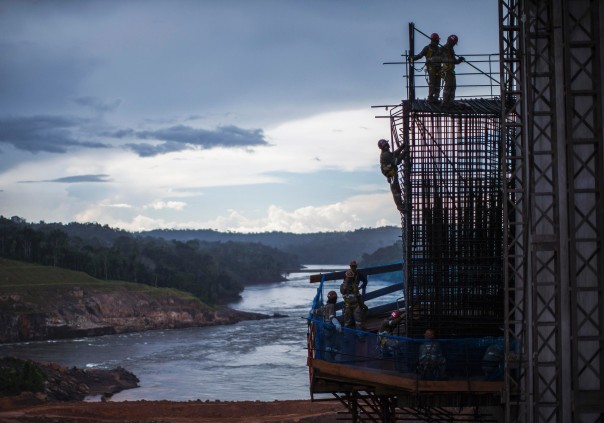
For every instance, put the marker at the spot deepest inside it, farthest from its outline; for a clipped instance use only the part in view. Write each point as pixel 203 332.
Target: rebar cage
pixel 453 190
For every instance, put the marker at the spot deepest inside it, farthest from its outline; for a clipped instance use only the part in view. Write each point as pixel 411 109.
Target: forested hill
pixel 313 248
pixel 213 266
pixel 215 272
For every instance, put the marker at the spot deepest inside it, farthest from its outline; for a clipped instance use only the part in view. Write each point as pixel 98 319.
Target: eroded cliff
pixel 53 310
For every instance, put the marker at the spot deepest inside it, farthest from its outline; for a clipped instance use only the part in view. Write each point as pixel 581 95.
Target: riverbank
pixel 67 392
pixel 40 303
pixel 26 409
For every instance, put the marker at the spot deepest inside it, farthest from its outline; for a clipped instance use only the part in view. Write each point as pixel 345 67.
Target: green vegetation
pixel 214 267
pixel 385 255
pixel 216 273
pixel 34 284
pixel 18 376
pixel 315 248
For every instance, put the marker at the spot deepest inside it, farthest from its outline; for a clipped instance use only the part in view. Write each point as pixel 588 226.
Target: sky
pixel 233 115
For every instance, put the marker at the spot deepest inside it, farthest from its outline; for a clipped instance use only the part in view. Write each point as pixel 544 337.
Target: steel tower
pixel 551 76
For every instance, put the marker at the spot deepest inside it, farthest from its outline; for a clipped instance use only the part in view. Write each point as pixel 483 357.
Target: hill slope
pixel 41 302
pixel 313 248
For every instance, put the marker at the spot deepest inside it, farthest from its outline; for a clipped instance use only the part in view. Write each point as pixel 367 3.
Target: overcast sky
pixel 235 115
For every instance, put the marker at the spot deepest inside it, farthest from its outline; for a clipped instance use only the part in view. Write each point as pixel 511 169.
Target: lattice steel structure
pixel 554 217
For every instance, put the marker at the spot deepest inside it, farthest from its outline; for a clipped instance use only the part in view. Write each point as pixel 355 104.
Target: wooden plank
pixel 401 381
pixel 374 270
pixel 376 294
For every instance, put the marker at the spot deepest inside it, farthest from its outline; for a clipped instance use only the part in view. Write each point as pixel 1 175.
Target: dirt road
pixel 27 408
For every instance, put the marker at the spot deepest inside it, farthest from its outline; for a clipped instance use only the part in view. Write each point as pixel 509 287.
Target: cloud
pixel 59 134
pixel 181 137
pixel 52 134
pixel 97 104
pixel 118 206
pixel 150 150
pixel 76 179
pixel 373 210
pixel 160 205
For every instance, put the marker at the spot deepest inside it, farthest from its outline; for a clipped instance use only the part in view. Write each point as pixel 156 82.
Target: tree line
pixel 215 272
pixel 310 248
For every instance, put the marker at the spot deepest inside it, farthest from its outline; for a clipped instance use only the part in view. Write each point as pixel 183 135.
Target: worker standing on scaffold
pixel 433 67
pixel 332 328
pixel 359 278
pixel 449 60
pixel 354 310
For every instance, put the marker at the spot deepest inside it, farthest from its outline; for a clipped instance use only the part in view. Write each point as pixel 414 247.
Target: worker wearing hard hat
pixel 449 60
pixel 433 66
pixel 389 162
pixel 359 278
pixel 354 309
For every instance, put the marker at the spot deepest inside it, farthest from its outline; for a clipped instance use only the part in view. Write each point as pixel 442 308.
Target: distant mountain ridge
pixel 311 248
pixel 336 247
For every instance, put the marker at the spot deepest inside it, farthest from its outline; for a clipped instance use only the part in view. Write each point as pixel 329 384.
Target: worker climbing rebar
pixel 389 161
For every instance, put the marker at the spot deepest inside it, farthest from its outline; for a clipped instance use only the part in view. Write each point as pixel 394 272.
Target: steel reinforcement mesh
pixel 454 255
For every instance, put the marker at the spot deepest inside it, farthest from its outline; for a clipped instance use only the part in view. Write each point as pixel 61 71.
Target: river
pixel 261 360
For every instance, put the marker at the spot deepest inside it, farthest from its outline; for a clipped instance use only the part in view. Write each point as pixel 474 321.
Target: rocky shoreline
pixel 76 312
pixel 61 383
pixel 67 390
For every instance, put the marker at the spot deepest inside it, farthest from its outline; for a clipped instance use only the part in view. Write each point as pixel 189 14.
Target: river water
pixel 252 360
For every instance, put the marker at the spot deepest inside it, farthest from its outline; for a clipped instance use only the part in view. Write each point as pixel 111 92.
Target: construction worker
pixel 389 162
pixel 329 310
pixel 331 339
pixel 431 363
pixel 354 309
pixel 449 60
pixel 492 361
pixel 433 67
pixel 387 345
pixel 359 278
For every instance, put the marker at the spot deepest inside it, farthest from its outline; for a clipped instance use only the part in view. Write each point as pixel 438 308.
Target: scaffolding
pixel 452 188
pixel 502 224
pixel 551 72
pixel 452 178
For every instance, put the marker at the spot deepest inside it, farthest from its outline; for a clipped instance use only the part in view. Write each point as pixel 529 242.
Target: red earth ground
pixel 27 408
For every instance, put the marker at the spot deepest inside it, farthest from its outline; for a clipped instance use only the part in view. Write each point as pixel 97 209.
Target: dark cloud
pixel 52 134
pixel 194 117
pixel 225 136
pixel 181 137
pixel 57 134
pixel 119 133
pixel 149 150
pixel 97 104
pixel 76 179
